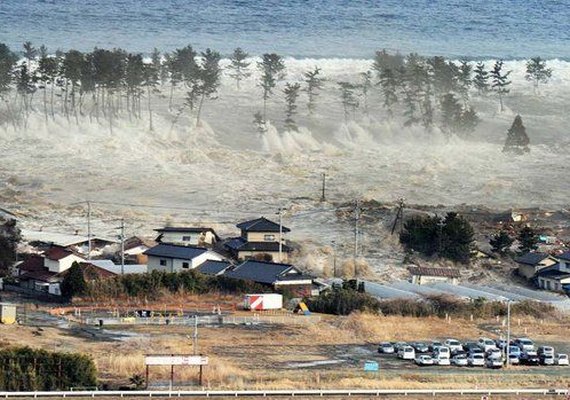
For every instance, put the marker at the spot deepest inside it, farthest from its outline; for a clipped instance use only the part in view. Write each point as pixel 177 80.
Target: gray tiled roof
pixel 265 272
pixel 173 251
pixel 240 244
pixel 553 272
pixel 531 258
pixel 565 256
pixel 212 267
pixel 261 225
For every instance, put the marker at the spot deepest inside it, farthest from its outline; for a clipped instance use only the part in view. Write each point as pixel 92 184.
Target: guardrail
pixel 286 393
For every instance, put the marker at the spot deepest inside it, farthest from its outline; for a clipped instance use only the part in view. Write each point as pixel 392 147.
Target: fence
pixel 290 393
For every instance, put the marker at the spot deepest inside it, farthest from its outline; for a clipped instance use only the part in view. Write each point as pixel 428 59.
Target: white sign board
pixel 175 360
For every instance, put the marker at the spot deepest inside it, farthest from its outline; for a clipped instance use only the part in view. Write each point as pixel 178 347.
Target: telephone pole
pixel 280 235
pixel 323 195
pixel 356 221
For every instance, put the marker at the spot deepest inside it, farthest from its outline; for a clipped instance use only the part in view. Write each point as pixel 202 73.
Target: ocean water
pixel 509 29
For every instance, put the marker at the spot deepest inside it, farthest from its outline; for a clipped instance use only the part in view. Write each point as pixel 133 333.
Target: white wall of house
pixel 62 264
pixel 553 285
pixel 264 236
pixel 424 279
pixel 189 238
pixel 564 266
pixel 178 265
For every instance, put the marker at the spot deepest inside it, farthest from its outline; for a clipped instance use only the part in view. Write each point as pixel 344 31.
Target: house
pixel 279 277
pixel 426 275
pixel 260 239
pixel 564 261
pixel 214 268
pixel 58 259
pixel 135 247
pixel 531 263
pixel 187 236
pixel 551 278
pixel 119 269
pixel 176 258
pixel 80 244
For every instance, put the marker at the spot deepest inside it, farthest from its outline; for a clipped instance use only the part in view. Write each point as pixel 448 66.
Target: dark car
pixel 433 345
pixel 469 346
pixel 420 347
pixel 529 358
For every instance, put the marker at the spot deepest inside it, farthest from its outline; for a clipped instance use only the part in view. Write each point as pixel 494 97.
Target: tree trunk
pixel 199 110
pixel 149 109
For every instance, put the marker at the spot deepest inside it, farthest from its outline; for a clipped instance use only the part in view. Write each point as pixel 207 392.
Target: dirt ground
pixel 327 354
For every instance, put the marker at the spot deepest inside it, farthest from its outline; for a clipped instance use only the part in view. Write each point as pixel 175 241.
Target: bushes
pixel 342 301
pixel 152 285
pixel 26 369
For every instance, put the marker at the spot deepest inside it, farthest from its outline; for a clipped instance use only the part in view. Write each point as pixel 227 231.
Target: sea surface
pixel 477 29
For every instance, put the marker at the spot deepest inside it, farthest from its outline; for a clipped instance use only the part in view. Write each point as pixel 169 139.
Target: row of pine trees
pixel 105 85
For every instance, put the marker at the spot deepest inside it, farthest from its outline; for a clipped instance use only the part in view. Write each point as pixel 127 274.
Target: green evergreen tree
pixel 30 53
pixel 537 72
pixel 10 236
pixel 7 62
pixel 272 69
pixel 501 242
pixel 457 238
pixel 239 66
pixel 528 240
pixel 517 141
pixel 73 283
pixel 481 78
pixel 500 81
pixel 464 81
pixel 291 93
pixel 451 112
pixel 209 73
pixel 365 86
pixel 348 98
pixel 313 84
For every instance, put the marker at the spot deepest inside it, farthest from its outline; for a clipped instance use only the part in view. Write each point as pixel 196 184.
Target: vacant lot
pixel 329 354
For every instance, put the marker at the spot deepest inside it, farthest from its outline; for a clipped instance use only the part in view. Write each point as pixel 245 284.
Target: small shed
pixel 7 313
pixel 425 275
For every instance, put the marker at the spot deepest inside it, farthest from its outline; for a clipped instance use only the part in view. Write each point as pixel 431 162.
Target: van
pixel 406 353
pixel 486 344
pixel 441 352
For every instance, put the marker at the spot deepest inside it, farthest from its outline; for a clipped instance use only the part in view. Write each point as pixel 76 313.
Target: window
pixel 185 265
pixel 186 238
pixel 163 263
pixel 269 238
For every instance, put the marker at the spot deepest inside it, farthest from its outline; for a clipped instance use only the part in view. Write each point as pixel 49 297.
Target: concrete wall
pixel 178 265
pixel 63 264
pixel 424 280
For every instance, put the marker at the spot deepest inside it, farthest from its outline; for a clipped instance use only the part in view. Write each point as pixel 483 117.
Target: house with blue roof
pixel 531 263
pixel 260 239
pixel 177 258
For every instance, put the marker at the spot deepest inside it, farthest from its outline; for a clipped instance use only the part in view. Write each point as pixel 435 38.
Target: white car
pixel 406 353
pixel 453 345
pixel 494 363
pixel 476 360
pixel 441 360
pixel 494 353
pixel 441 351
pixel 514 359
pixel 386 348
pixel 459 360
pixel 546 351
pixel 525 344
pixel 561 359
pixel 424 359
pixel 547 359
pixel 486 344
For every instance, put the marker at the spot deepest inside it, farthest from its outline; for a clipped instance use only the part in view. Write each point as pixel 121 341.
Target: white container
pixel 264 301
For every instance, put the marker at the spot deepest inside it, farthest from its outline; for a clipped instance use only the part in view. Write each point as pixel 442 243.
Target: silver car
pixel 386 348
pixel 476 360
pixel 459 360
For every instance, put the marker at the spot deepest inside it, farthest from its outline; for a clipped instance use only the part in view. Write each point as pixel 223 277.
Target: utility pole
pixel 508 346
pixel 399 215
pixel 356 221
pixel 195 335
pixel 323 195
pixel 280 234
pixel 89 230
pixel 334 258
pixel 122 246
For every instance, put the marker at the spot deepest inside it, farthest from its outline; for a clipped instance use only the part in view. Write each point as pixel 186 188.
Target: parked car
pixel 501 343
pixel 406 353
pixel 386 348
pixel 494 353
pixel 441 359
pixel 486 344
pixel 420 347
pixel 514 359
pixel 529 357
pixel 442 351
pixel 423 359
pixel 476 360
pixel 433 345
pixel 494 363
pixel 561 359
pixel 459 360
pixel 545 350
pixel 515 350
pixel 399 345
pixel 524 344
pixel 453 345
pixel 547 359
pixel 477 350
pixel 468 346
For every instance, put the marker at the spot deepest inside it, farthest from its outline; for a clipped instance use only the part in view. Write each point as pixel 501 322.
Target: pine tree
pixel 47 70
pixel 348 98
pixel 537 72
pixel 134 78
pixel 528 240
pixel 30 53
pixel 481 78
pixel 150 81
pixel 272 69
pixel 209 73
pixel 389 86
pixel 10 236
pixel 73 283
pixel 517 140
pixel 464 80
pixel 450 114
pixel 239 66
pixel 427 111
pixel 291 93
pixel 501 242
pixel 7 61
pixel 468 120
pixel 500 81
pixel 384 61
pixel 313 84
pixel 457 238
pixel 444 75
pixel 365 86
pixel 72 66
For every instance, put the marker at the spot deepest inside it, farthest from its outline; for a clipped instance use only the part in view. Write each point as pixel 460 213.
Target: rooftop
pixel 58 239
pixel 212 267
pixel 175 251
pixel 240 244
pixel 266 272
pixel 565 256
pixel 261 225
pixel 553 272
pixel 434 271
pixel 532 258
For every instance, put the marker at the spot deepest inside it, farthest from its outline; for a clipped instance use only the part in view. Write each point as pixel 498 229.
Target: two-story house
pixel 187 236
pixel 176 258
pixel 531 263
pixel 260 239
